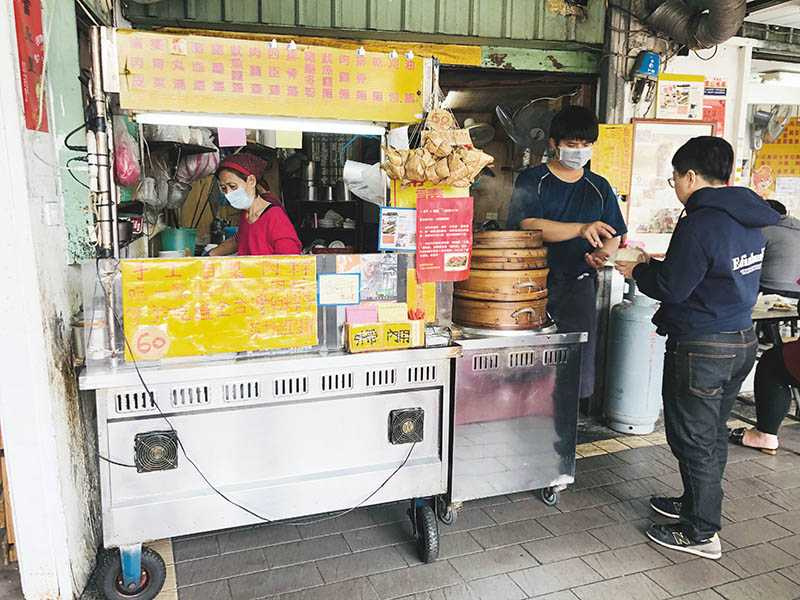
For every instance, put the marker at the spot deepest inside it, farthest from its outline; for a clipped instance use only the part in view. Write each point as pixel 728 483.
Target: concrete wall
pixel 48 431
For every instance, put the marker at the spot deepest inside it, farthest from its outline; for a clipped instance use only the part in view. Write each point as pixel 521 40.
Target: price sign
pixel 150 343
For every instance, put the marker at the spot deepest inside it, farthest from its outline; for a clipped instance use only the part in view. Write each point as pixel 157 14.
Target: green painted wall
pixel 522 21
pixel 66 113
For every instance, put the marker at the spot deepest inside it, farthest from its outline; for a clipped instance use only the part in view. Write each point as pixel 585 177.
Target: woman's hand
pixel 596 232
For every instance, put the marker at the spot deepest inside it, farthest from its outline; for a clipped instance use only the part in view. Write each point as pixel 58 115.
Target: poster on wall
pixel 714 103
pixel 30 48
pixel 653 208
pixel 444 238
pixel 379 274
pixel 680 96
pixel 398 229
pixel 612 156
pixel 776 168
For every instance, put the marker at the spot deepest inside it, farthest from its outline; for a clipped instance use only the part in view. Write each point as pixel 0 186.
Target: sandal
pixel 736 436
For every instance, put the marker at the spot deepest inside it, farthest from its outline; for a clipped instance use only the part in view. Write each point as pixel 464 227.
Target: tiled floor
pixel 590 547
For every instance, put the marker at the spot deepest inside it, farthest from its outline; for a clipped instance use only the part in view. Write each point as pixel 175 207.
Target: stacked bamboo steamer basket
pixel 507 286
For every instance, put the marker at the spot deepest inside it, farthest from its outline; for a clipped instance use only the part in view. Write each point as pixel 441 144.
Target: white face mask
pixel 574 158
pixel 239 198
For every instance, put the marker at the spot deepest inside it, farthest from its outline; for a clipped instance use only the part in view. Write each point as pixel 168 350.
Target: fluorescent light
pixel 256 122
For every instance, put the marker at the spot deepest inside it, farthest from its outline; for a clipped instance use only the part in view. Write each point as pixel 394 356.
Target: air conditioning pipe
pixel 697 24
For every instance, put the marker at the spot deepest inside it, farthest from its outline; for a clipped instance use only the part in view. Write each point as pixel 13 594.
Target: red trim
pixel 232 166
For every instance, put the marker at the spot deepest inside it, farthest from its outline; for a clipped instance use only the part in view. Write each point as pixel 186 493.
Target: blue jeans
pixel 702 377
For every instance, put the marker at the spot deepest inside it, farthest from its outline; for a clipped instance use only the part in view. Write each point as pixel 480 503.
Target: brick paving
pixel 591 547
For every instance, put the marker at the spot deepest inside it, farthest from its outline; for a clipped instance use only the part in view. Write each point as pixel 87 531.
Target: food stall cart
pixel 236 391
pixel 224 397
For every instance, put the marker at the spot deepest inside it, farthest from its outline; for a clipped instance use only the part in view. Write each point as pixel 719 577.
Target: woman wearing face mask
pixel 707 285
pixel 579 216
pixel 264 227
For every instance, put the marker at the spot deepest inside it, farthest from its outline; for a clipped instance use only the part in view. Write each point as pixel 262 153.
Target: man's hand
pixel 596 259
pixel 596 232
pixel 626 267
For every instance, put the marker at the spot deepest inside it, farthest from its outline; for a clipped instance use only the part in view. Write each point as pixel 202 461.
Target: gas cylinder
pixel 635 365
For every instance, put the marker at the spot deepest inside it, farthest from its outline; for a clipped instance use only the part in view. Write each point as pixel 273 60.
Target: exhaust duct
pixel 697 24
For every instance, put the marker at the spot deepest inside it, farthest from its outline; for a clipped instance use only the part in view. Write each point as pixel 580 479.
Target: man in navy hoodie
pixel 707 285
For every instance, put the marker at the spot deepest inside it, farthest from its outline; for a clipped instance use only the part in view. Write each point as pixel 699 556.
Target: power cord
pixel 152 396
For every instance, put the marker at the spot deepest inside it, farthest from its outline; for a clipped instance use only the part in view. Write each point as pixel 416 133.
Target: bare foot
pixel 758 439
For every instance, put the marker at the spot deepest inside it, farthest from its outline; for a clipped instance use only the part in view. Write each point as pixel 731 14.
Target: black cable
pixel 70 134
pixel 697 54
pixel 114 462
pixel 186 455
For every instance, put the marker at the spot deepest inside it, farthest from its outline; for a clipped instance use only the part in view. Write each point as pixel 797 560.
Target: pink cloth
pixel 272 233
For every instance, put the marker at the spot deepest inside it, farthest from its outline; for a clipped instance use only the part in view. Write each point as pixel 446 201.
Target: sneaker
pixel 669 507
pixel 676 537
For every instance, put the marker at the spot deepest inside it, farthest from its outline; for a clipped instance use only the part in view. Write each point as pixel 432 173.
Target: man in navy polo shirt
pixel 579 216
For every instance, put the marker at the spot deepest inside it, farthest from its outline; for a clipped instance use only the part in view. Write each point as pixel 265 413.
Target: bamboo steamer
pixel 508 259
pixel 504 286
pixel 507 239
pixel 531 314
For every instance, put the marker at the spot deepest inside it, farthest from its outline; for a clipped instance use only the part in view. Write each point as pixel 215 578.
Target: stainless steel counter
pixel 515 413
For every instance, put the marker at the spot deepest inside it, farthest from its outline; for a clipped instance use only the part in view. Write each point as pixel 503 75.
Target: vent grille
pixel 240 390
pixel 381 377
pixel 290 386
pixel 422 374
pixel 519 360
pixel 189 396
pixel 132 402
pixel 485 362
pixel 555 357
pixel 335 382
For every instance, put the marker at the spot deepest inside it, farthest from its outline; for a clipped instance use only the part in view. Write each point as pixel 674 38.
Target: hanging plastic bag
pixel 197 166
pixel 126 156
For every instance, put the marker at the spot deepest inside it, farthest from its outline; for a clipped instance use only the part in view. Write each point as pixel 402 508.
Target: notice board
pixel 776 170
pixel 163 72
pixel 612 156
pixel 192 306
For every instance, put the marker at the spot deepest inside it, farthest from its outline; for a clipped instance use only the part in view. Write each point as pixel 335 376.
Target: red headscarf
pixel 246 164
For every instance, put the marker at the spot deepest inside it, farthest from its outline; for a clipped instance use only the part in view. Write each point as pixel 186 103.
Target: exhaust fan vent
pixel 156 451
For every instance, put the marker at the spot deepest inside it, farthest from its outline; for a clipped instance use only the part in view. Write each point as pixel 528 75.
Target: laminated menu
pixel 444 238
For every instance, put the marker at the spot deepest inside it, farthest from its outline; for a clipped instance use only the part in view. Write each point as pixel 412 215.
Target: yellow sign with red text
pixel 193 73
pixel 192 306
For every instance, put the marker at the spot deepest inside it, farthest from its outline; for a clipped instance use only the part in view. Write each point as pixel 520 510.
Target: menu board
pixel 612 156
pixel 234 76
pixel 444 238
pixel 189 306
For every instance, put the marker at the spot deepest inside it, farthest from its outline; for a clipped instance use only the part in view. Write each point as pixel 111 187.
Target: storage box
pixel 371 337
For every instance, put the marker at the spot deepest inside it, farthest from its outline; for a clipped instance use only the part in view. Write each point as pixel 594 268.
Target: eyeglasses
pixel 671 182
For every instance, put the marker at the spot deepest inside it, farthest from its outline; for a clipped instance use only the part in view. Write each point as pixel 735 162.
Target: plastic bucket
pixel 182 239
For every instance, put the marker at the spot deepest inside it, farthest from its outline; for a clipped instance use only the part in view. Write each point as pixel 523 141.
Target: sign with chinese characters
pixel 444 239
pixel 612 156
pixel 370 337
pixel 191 306
pixel 250 77
pixel 30 47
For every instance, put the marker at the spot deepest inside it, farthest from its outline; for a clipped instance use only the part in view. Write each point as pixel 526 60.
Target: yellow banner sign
pixel 612 156
pixel 188 307
pixel 250 77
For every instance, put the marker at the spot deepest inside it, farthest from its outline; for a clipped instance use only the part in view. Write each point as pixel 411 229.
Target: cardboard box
pixel 372 337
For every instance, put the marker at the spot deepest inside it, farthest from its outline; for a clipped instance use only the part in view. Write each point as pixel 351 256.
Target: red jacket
pixel 272 233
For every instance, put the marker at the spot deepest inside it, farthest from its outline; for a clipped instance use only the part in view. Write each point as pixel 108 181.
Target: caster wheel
pixel 549 496
pixel 447 514
pixel 427 532
pixel 109 576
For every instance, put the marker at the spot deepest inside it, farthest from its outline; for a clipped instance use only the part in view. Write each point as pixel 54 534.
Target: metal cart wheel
pixel 446 512
pixel 109 576
pixel 426 530
pixel 549 496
